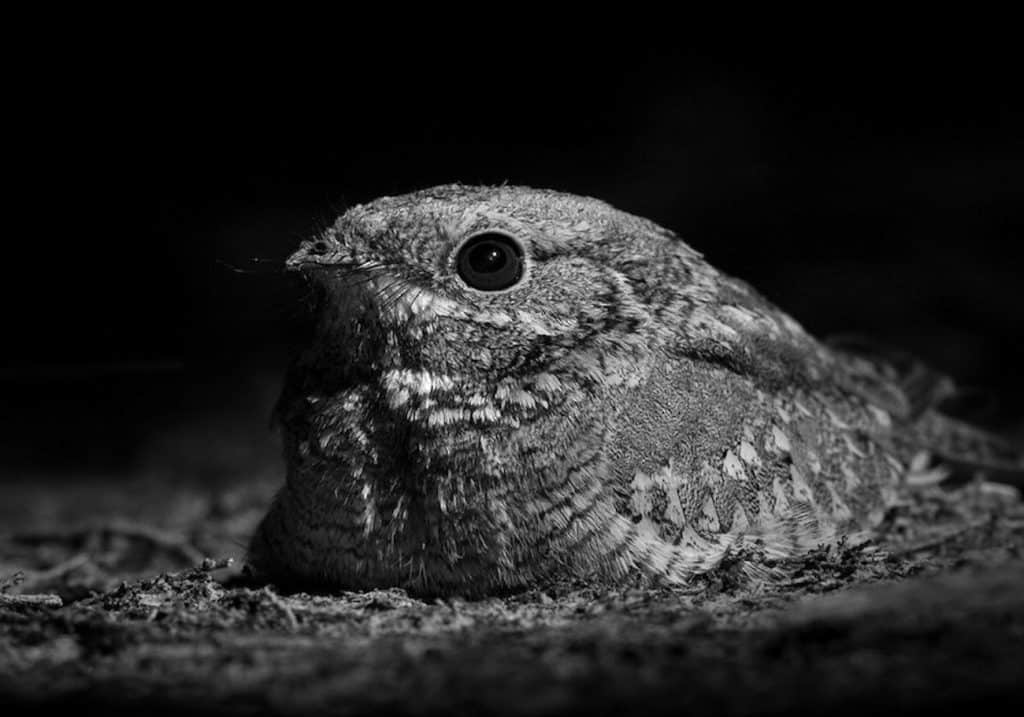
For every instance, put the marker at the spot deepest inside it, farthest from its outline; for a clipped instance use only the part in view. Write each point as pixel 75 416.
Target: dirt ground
pixel 130 604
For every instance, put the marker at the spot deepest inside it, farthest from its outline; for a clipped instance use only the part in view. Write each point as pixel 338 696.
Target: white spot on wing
pixel 733 468
pixel 749 454
pixel 781 440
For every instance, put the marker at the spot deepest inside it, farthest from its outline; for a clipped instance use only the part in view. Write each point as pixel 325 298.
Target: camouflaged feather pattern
pixel 625 408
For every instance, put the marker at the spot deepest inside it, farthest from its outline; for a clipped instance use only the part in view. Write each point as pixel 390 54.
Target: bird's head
pixel 429 292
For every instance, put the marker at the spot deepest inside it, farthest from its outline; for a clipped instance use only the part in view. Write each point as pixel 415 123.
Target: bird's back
pixel 749 430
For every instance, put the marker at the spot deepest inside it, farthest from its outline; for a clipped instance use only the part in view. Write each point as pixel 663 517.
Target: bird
pixel 506 386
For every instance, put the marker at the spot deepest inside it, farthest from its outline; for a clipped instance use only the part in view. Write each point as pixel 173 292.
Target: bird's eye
pixel 490 262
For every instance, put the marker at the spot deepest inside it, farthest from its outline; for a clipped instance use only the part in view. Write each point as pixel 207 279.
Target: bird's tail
pixel 966 450
pixel 938 420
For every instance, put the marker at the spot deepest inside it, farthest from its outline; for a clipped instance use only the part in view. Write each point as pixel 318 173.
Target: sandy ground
pixel 117 609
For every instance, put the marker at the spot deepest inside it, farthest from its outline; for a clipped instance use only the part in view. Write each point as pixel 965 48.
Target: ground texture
pixel 130 605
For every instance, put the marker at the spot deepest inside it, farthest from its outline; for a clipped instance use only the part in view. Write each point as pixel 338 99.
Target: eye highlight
pixel 490 262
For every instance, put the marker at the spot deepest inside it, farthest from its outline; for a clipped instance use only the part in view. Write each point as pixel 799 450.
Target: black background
pixel 863 188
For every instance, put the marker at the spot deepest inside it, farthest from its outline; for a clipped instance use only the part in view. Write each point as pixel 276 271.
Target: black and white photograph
pixel 476 377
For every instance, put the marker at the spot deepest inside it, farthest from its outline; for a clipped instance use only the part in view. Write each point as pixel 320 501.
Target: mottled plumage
pixel 622 408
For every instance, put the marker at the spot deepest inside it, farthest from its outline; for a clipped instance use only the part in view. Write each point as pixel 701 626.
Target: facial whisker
pixel 394 293
pixel 391 293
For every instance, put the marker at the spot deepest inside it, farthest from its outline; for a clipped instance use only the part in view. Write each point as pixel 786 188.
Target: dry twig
pixel 44 600
pixel 171 542
pixel 943 539
pixel 276 601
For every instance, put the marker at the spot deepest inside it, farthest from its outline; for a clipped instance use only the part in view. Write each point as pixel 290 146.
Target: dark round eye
pixel 490 262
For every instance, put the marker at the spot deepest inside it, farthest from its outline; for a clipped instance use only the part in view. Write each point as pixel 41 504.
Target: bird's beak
pixel 312 255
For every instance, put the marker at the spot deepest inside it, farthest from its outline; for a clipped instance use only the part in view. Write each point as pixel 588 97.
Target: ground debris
pixel 44 600
pixel 937 602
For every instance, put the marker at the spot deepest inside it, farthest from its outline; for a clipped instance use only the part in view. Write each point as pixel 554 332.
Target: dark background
pixel 862 188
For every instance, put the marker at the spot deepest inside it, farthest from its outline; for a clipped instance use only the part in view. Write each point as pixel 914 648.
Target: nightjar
pixel 507 385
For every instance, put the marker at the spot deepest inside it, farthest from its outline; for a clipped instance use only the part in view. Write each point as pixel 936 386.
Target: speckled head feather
pixel 612 406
